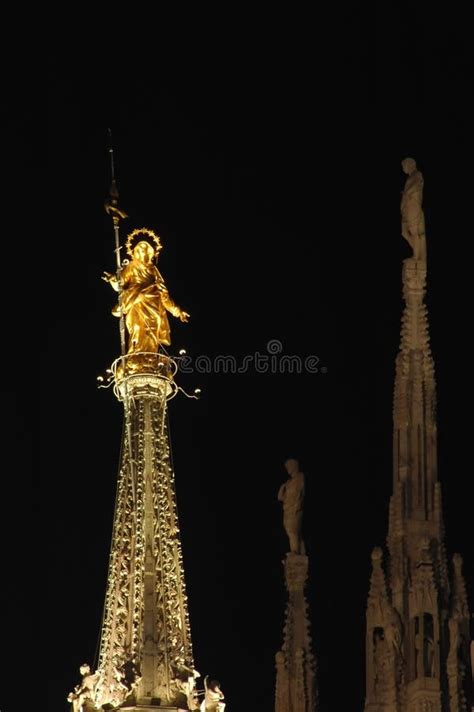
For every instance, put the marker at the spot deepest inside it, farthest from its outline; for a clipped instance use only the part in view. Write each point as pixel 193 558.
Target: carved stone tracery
pixel 419 587
pixel 146 620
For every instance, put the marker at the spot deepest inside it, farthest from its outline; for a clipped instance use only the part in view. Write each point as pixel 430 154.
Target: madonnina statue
pixel 144 298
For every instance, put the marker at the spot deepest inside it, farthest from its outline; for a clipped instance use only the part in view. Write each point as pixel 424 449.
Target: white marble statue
pixel 186 683
pixel 213 696
pixel 84 691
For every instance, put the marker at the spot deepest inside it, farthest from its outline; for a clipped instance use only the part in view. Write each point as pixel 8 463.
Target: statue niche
pixel 424 645
pixel 385 665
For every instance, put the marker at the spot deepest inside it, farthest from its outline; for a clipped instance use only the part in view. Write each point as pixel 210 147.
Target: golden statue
pixel 144 298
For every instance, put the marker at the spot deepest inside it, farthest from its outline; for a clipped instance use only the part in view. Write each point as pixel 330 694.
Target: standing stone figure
pixel 429 656
pixel 393 629
pixel 186 682
pixel 413 219
pixel 291 493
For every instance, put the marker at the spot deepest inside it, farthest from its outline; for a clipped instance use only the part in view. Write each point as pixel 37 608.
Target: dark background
pixel 268 159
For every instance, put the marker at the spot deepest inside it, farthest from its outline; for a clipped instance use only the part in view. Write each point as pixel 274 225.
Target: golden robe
pixel 145 301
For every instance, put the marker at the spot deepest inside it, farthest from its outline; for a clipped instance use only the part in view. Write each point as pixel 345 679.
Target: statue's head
pixel 409 165
pixel 143 252
pixel 292 466
pixel 457 562
pixel 84 669
pixel 143 249
pixel 214 685
pixel 377 555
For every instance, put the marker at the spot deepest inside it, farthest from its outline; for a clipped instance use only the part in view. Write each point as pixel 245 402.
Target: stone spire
pixel 146 623
pixel 414 411
pixel 295 662
pixel 420 593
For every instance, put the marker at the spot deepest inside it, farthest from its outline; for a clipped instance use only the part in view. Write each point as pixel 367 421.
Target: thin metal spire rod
pixel 111 151
pixel 114 211
pixel 116 214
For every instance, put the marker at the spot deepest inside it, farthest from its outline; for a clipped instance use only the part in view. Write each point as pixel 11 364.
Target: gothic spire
pixel 414 410
pixel 413 661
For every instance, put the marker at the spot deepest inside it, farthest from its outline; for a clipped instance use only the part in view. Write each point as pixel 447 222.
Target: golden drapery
pixel 145 302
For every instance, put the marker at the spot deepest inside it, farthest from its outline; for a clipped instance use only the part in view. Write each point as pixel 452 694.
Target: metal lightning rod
pixel 112 209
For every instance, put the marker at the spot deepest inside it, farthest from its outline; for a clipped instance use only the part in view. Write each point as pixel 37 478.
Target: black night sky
pixel 270 166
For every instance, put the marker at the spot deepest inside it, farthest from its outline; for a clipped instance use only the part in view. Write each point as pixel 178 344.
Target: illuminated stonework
pixel 146 616
pixel 145 658
pixel 295 662
pixel 417 636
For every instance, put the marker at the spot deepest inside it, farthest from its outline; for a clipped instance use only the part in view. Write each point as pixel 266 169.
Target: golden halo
pixel 142 231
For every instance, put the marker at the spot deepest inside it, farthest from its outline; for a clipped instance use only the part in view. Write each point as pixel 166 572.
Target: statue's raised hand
pixel 184 316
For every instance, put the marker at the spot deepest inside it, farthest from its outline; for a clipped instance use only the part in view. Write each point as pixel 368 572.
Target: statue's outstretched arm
pixel 168 303
pixel 111 279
